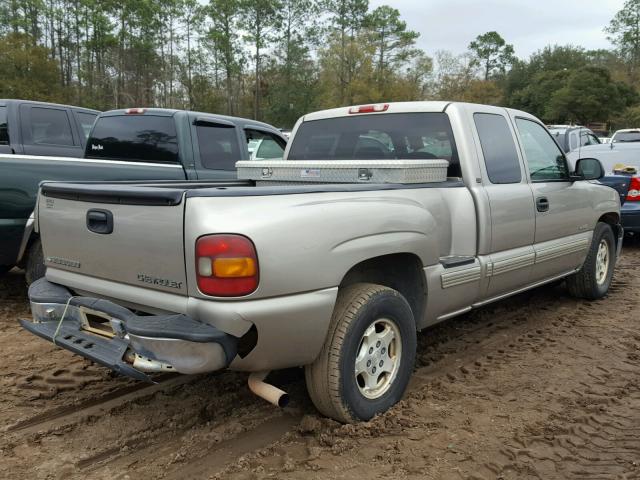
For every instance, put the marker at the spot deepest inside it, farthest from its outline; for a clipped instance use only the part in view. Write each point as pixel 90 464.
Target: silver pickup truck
pixel 336 278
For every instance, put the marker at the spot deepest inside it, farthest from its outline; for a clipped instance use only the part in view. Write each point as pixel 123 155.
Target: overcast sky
pixel 527 24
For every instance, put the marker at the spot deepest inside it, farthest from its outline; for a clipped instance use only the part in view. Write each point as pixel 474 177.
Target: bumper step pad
pixel 107 352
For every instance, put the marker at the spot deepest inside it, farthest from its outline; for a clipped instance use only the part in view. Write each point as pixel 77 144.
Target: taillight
pixel 379 107
pixel 135 111
pixel 226 265
pixel 633 195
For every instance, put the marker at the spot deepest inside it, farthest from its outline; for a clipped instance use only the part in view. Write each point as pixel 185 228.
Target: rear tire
pixel 594 278
pixel 34 268
pixel 365 364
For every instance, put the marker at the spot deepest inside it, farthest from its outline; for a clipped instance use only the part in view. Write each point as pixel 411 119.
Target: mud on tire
pixel 371 325
pixel 589 283
pixel 34 267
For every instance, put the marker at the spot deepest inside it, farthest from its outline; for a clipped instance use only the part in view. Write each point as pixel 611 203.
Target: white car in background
pixel 627 135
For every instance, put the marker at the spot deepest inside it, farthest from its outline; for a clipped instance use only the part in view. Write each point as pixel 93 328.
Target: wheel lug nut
pixel 374 370
pixel 383 350
pixel 381 363
pixel 369 363
pixel 378 344
pixel 370 350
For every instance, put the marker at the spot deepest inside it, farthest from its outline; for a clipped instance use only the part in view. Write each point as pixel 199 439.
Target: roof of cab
pixel 406 107
pixel 394 107
pixel 169 112
pixel 7 101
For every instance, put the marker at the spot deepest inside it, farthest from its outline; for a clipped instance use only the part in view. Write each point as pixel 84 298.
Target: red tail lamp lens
pixel 226 265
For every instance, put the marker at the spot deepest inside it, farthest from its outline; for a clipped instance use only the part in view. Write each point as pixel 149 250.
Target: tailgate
pixel 125 233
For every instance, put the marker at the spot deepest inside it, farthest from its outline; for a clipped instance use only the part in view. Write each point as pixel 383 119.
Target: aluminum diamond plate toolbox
pixel 344 171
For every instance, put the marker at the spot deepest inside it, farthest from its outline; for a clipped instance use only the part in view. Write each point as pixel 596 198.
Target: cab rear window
pixel 403 136
pixel 135 138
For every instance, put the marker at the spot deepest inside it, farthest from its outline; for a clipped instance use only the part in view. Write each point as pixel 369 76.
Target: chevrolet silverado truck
pixel 334 277
pixel 132 144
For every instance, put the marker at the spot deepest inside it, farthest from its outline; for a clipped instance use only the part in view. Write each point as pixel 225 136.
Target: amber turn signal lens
pixel 234 267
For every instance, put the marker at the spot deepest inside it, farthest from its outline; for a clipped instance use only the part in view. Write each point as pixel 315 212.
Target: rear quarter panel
pixel 307 242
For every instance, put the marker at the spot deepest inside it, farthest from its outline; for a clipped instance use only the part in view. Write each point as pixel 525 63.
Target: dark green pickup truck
pixel 133 144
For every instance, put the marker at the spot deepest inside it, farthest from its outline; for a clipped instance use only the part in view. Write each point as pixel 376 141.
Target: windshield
pixel 136 138
pixel 405 136
pixel 627 137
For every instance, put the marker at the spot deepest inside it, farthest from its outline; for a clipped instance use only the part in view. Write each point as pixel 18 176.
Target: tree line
pixel 275 60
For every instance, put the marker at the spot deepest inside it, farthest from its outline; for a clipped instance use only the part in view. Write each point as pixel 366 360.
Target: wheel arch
pixel 403 272
pixel 613 220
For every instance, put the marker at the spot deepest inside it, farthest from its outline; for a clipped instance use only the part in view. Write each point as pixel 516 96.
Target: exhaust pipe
pixel 271 394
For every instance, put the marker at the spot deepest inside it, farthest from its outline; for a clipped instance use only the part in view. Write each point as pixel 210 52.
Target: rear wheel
pixel 593 280
pixel 34 268
pixel 366 362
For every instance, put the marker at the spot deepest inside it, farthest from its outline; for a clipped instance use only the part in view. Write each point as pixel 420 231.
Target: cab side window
pixel 218 147
pixel 264 145
pixel 498 148
pixel 49 126
pixel 4 127
pixel 545 160
pixel 86 119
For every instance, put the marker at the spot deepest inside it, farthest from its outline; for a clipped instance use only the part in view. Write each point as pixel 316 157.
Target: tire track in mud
pixel 59 417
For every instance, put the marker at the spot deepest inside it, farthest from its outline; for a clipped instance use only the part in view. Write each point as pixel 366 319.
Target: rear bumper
pixel 630 214
pixel 117 338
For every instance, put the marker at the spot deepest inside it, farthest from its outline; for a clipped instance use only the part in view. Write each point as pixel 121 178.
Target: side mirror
pixel 589 169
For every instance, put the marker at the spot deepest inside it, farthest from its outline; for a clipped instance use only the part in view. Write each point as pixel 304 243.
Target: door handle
pixel 542 204
pixel 100 221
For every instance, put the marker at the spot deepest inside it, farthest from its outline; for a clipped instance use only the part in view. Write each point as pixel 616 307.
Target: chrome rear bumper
pixel 117 338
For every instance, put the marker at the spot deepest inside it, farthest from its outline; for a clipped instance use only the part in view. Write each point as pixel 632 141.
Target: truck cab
pixel 39 128
pixel 203 145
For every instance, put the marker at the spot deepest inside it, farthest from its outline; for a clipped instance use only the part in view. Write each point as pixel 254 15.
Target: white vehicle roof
pixel 627 130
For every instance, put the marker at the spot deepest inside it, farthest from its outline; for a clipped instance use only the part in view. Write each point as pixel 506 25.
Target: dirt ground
pixel 540 386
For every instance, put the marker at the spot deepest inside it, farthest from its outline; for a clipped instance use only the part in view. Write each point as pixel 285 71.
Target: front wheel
pixel 365 364
pixel 593 280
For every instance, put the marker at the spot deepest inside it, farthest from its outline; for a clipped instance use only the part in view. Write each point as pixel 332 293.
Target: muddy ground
pixel 540 386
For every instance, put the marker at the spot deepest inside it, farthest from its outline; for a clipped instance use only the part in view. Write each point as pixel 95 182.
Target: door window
pixel 545 160
pixel 218 147
pixel 263 145
pixel 592 139
pixel 498 148
pixel 4 127
pixel 50 126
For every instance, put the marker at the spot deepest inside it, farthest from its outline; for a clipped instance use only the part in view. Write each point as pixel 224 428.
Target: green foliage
pixel 562 84
pixel 278 59
pixel 392 41
pixel 624 33
pixel 492 53
pixel 588 94
pixel 26 71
